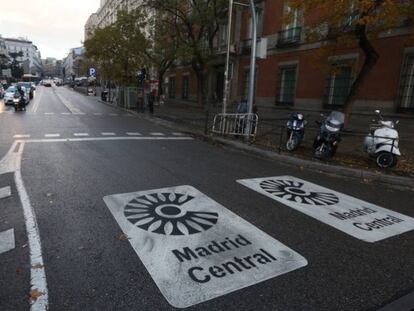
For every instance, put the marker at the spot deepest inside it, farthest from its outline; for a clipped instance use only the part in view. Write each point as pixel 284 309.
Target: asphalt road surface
pixel 71 250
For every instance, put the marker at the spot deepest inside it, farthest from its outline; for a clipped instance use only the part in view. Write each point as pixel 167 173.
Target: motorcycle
pixel 382 142
pixel 19 103
pixel 329 135
pixel 295 130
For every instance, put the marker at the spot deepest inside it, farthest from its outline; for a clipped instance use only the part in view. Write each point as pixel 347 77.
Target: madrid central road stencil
pixel 360 219
pixel 194 248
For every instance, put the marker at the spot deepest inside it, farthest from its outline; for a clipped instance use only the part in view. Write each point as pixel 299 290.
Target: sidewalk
pixel 271 120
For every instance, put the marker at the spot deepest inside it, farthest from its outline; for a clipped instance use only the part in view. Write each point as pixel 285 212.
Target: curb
pixel 308 164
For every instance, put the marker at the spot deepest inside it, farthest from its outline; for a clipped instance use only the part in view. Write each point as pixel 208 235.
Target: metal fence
pixel 240 124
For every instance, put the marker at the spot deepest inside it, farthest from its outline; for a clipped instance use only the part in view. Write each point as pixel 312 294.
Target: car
pixel 29 88
pixel 47 83
pixel 9 95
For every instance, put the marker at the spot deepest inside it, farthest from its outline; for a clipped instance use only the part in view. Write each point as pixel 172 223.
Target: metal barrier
pixel 240 124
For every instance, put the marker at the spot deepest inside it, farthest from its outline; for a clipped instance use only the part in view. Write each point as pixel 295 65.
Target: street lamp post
pixel 226 73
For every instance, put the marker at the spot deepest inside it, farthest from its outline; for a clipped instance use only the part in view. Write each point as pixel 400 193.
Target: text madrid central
pixel 235 265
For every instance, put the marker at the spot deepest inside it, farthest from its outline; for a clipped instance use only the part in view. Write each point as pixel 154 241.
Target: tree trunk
pixel 371 58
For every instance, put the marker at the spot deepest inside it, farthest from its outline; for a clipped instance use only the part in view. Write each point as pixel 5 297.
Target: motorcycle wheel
pixel 386 159
pixel 322 152
pixel 292 143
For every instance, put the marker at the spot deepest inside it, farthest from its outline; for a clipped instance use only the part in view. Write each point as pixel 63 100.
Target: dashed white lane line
pixel 133 134
pixel 80 134
pixel 5 192
pixel 21 136
pixel 52 135
pixel 49 113
pixel 141 138
pixel 178 134
pixel 157 134
pixel 97 114
pixel 65 113
pixel 108 134
pixel 7 242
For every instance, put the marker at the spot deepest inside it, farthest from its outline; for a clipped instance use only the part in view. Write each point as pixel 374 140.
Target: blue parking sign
pixel 92 72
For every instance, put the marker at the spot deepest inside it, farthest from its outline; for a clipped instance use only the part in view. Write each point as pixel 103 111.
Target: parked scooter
pixel 19 102
pixel 329 136
pixel 295 130
pixel 382 142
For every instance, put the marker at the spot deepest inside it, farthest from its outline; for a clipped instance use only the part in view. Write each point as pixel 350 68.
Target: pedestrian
pixel 151 99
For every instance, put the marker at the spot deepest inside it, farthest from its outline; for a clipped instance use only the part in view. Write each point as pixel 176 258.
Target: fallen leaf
pixel 122 237
pixel 35 294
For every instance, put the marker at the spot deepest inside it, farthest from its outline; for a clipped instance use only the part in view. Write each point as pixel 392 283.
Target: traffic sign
pixel 92 72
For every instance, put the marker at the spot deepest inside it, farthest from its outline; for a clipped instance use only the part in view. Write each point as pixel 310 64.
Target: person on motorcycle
pixel 21 94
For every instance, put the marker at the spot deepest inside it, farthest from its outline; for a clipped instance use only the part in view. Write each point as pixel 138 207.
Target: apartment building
pixel 31 58
pixel 107 13
pixel 294 75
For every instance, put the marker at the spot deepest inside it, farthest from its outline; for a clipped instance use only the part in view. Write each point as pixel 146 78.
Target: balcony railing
pixel 289 37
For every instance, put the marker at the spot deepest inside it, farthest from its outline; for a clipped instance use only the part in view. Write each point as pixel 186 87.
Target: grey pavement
pixel 88 261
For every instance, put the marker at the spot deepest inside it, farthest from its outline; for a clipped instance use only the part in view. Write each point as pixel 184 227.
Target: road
pixel 111 212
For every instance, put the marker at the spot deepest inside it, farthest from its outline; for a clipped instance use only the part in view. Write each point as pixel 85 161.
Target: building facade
pixel 30 59
pixel 107 14
pixel 294 74
pixel 72 64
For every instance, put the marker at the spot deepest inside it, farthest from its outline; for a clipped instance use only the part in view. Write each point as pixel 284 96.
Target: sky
pixel 54 26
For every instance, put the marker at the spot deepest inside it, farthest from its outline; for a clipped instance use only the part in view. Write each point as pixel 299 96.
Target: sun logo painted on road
pixel 293 191
pixel 166 213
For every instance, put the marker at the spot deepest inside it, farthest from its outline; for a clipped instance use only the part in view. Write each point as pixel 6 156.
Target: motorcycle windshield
pixel 336 119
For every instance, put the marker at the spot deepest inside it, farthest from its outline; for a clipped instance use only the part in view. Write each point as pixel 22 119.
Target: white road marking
pixel 157 134
pixel 65 113
pixel 133 134
pixel 49 113
pixel 114 114
pixel 12 163
pixel 52 140
pixel 5 192
pixel 21 136
pixel 194 248
pixel 52 135
pixel 97 114
pixel 178 134
pixel 108 134
pixel 360 219
pixel 36 101
pixel 72 108
pixel 80 134
pixel 7 242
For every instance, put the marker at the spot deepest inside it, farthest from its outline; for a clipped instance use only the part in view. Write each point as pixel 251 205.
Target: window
pixel 339 83
pixel 406 94
pixel 286 85
pixel 223 29
pixel 259 19
pixel 291 33
pixel 171 87
pixel 186 87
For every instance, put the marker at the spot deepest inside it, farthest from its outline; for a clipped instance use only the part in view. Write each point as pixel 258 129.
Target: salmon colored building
pixel 295 73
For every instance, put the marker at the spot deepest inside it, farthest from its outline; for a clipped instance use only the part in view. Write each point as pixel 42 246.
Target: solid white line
pixel 100 139
pixel 5 192
pixel 21 136
pixel 7 242
pixel 37 268
pixel 107 134
pixel 80 134
pixel 133 134
pixel 157 134
pixel 52 135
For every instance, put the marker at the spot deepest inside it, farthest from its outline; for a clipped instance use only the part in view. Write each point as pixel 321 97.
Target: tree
pixel 16 65
pixel 194 24
pixel 118 49
pixel 354 22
